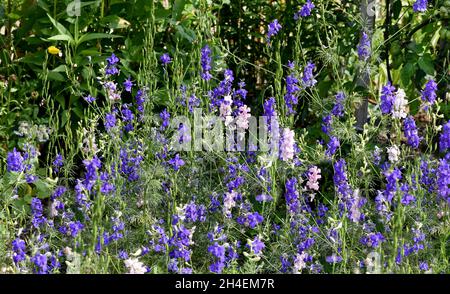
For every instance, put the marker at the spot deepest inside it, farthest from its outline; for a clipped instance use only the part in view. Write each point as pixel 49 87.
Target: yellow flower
pixel 53 50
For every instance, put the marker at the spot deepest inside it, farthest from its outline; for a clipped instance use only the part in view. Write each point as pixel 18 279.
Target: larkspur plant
pixel 185 167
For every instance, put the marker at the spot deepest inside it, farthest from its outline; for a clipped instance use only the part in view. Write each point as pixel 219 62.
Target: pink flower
pixel 287 145
pixel 243 116
pixel 313 178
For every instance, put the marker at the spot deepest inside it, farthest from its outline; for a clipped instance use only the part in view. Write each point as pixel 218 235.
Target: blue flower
pixel 19 248
pixel 308 76
pixel 443 180
pixel 58 162
pixel 427 176
pixel 326 124
pixel 411 132
pixel 292 195
pixel 387 98
pixel 263 198
pixel 111 68
pixel 110 121
pixel 444 139
pixel 373 240
pixel 218 251
pixel 127 114
pixel 165 59
pixel 128 84
pixel 332 146
pixel 423 266
pixel 273 29
pixel 407 198
pixel 40 261
pixel 30 178
pixel 269 107
pixel 364 47
pixel 37 209
pixel 338 108
pixel 176 162
pixel 15 161
pixel 140 99
pixel 112 60
pixel 89 99
pixel 291 90
pixel 305 10
pixel 165 116
pixel 429 93
pixel 334 258
pixel 123 254
pixel 256 245
pixel 340 178
pixel 130 161
pixel 250 220
pixel 206 63
pixel 420 5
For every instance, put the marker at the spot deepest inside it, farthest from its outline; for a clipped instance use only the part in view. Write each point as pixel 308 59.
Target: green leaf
pixel 33 58
pixel 77 110
pixel 61 68
pixel 13 16
pixel 185 33
pixel 426 64
pixel 61 101
pixel 396 9
pixel 407 73
pixel 61 29
pixel 56 76
pixel 64 118
pixel 177 9
pixel 43 5
pixel 60 38
pixel 161 97
pixel 43 189
pixel 94 36
pixel 115 22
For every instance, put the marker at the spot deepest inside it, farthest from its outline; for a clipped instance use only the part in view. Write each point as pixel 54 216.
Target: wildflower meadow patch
pixel 226 137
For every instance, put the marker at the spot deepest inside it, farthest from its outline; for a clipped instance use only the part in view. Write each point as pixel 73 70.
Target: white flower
pixel 393 153
pixel 134 266
pixel 400 104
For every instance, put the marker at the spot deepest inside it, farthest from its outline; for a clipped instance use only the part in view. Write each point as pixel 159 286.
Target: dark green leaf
pixel 177 9
pixel 407 73
pixel 426 64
